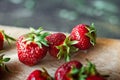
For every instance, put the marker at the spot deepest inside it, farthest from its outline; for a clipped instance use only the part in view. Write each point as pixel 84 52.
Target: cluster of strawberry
pixel 33 47
pixel 72 70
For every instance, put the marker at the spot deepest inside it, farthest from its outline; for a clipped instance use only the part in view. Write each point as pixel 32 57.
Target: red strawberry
pixel 85 35
pixel 4 36
pixel 95 78
pixel 62 73
pixel 60 45
pixel 39 75
pixel 54 40
pixel 32 47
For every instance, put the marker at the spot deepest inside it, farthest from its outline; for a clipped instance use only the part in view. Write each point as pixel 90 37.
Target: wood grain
pixel 106 56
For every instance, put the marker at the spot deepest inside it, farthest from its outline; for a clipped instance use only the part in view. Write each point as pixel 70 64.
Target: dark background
pixel 63 15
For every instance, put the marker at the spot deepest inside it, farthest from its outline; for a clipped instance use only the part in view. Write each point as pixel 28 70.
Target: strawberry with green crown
pixel 61 46
pixel 32 47
pixel 85 35
pixel 74 70
pixel 64 71
pixel 3 37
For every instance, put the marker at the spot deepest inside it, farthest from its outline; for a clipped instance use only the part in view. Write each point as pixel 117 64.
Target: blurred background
pixel 63 15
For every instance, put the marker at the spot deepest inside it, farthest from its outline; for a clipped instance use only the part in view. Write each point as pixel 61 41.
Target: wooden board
pixel 106 56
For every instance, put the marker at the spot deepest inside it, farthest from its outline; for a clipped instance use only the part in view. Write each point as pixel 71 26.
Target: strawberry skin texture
pixel 30 54
pixel 79 33
pixel 63 70
pixel 54 40
pixel 36 75
pixel 95 77
pixel 1 41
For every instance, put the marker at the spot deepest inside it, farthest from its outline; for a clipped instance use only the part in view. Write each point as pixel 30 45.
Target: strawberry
pixel 60 45
pixel 54 40
pixel 39 75
pixel 32 47
pixel 62 73
pixel 4 36
pixel 85 35
pixel 74 70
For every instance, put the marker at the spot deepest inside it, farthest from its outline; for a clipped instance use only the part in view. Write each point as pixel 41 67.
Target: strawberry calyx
pixel 66 48
pixel 91 34
pixel 91 69
pixel 45 74
pixel 2 65
pixel 37 36
pixel 7 37
pixel 78 74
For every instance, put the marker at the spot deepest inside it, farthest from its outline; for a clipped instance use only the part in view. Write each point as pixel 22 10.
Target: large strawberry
pixel 64 71
pixel 85 35
pixel 4 36
pixel 32 47
pixel 39 75
pixel 60 45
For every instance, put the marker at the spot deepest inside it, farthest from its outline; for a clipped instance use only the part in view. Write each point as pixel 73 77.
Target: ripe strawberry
pixel 85 35
pixel 62 73
pixel 60 45
pixel 54 40
pixel 32 47
pixel 39 75
pixel 4 36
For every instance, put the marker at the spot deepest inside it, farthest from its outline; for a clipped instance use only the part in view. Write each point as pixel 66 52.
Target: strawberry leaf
pixel 37 36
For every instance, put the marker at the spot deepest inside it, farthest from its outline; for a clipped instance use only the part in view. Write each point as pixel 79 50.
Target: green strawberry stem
pixel 66 49
pixel 92 34
pixel 37 36
pixel 7 37
pixel 2 65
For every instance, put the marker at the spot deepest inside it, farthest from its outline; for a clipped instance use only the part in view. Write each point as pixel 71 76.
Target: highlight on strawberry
pixel 39 75
pixel 74 70
pixel 32 47
pixel 85 35
pixel 3 37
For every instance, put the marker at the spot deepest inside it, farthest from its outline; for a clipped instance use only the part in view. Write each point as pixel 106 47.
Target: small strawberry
pixel 62 73
pixel 4 36
pixel 32 47
pixel 60 45
pixel 85 35
pixel 54 40
pixel 39 75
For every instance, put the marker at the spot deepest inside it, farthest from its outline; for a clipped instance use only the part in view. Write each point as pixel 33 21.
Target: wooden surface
pixel 106 56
